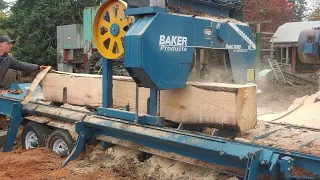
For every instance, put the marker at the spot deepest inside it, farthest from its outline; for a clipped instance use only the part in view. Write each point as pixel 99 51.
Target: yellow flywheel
pixel 109 27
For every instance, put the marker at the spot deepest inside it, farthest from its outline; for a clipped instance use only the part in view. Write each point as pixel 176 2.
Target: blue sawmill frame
pixel 12 108
pixel 253 159
pixel 107 102
pixel 146 65
pixel 148 130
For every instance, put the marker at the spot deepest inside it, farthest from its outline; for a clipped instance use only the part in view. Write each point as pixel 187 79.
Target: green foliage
pixel 300 10
pixel 315 16
pixel 3 23
pixel 33 25
pixel 3 5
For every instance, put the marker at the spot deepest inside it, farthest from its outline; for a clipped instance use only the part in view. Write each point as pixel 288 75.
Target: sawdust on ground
pixel 41 163
pixel 278 98
pixel 283 137
pixel 124 163
pixel 114 163
pixel 3 123
pixel 302 112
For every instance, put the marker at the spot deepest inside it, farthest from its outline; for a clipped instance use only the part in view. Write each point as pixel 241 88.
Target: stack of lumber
pixel 227 105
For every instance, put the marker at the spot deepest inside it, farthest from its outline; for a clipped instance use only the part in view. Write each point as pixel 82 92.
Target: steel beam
pixel 11 107
pixel 213 150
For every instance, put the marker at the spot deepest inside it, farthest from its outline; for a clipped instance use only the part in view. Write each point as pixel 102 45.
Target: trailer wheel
pixel 61 142
pixel 34 135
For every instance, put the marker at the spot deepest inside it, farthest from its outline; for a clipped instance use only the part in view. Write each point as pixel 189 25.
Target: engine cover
pixel 159 47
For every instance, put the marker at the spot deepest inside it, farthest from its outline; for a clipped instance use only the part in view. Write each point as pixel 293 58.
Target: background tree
pixel 3 5
pixel 33 25
pixel 315 16
pixel 277 12
pixel 3 17
pixel 300 11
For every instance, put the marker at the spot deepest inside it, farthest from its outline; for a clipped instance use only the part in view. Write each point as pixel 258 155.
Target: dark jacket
pixel 8 61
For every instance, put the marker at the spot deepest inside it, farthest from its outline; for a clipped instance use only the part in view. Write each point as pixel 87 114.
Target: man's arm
pixel 22 66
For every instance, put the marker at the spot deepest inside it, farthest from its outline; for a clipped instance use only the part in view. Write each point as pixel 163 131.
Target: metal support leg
pixel 198 64
pixel 286 166
pixel 107 101
pixel 154 105
pixel 153 102
pixel 158 103
pixel 252 170
pixel 137 105
pixel 107 85
pixel 15 121
pixel 84 134
pixel 274 167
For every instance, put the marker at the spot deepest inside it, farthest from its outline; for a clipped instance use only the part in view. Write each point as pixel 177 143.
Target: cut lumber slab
pixel 225 105
pixel 34 85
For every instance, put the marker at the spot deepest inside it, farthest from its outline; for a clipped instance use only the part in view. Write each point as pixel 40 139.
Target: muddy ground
pixel 120 163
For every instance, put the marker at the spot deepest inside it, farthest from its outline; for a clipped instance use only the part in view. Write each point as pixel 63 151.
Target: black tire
pixel 41 131
pixel 63 135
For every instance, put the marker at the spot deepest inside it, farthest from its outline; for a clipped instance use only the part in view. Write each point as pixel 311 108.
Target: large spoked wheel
pixel 109 27
pixel 34 135
pixel 61 142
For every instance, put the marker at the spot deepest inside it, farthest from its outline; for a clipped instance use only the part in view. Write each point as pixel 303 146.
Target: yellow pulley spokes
pixel 109 27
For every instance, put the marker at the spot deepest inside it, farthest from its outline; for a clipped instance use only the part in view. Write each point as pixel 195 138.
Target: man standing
pixel 7 61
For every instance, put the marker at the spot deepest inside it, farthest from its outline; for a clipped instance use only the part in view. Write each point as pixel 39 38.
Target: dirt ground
pixel 120 163
pixel 41 163
pixel 277 98
pixel 114 163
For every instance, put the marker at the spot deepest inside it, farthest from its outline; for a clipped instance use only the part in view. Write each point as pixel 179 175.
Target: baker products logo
pixel 173 43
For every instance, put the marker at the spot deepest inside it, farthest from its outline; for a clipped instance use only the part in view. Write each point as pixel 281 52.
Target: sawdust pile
pixel 41 163
pixel 124 163
pixel 3 123
pixel 114 163
pixel 296 129
pixel 283 137
pixel 303 112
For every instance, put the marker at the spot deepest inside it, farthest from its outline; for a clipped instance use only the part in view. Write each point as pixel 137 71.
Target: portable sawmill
pixel 157 48
pixel 76 39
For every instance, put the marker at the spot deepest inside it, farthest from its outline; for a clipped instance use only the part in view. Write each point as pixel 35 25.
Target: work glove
pixel 43 67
